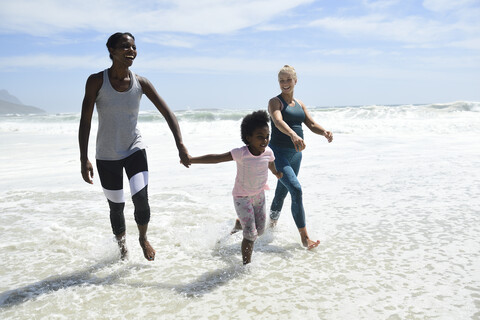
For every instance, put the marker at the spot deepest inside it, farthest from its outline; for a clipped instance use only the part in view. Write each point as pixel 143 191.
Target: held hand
pixel 87 171
pixel 279 175
pixel 328 135
pixel 190 161
pixel 184 156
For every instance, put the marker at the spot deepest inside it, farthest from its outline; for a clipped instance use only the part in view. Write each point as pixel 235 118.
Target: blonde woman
pixel 287 116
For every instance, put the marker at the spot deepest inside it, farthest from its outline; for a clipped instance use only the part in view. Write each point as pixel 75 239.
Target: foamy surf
pixel 394 201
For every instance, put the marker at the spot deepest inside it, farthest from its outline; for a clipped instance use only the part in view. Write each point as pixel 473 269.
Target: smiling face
pixel 287 82
pixel 258 141
pixel 125 51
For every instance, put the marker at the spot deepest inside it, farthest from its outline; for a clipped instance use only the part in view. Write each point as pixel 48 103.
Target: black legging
pixel 111 178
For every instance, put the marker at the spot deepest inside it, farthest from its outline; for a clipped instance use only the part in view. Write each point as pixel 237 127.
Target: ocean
pixel 394 200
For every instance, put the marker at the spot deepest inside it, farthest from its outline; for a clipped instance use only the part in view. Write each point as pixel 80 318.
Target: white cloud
pixel 380 4
pixel 146 62
pixel 233 65
pixel 46 17
pixel 54 62
pixel 240 66
pixel 349 52
pixel 207 65
pixel 449 23
pixel 189 65
pixel 473 43
pixel 448 5
pixel 407 29
pixel 410 30
pixel 170 40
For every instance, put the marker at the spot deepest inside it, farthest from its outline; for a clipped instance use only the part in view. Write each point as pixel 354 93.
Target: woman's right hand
pixel 298 143
pixel 87 171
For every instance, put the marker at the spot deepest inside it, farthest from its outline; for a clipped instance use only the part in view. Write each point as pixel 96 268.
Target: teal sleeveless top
pixel 294 117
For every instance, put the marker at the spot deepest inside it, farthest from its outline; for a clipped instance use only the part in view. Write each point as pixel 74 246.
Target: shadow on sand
pixel 55 283
pixel 200 286
pixel 209 281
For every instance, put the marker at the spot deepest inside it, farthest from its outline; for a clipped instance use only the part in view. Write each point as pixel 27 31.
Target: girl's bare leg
pixel 247 249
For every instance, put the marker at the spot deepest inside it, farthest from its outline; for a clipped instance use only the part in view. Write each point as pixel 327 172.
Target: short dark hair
pixel 114 39
pixel 252 121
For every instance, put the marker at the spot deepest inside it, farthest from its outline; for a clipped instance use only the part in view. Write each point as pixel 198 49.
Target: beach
pixel 394 200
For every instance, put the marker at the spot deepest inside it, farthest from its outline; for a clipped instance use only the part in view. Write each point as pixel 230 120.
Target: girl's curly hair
pixel 252 121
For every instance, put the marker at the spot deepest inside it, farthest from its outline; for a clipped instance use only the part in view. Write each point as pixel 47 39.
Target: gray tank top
pixel 118 135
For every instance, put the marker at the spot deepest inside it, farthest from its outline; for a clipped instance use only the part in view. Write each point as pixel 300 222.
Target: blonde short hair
pixel 288 70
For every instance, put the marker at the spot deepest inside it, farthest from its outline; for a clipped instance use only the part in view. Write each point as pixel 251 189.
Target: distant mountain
pixel 6 96
pixel 11 105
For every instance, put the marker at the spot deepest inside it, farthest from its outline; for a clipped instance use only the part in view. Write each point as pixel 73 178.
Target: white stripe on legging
pixel 138 182
pixel 114 195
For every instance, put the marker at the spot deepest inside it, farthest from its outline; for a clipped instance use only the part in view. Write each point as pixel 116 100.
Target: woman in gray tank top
pixel 116 92
pixel 288 115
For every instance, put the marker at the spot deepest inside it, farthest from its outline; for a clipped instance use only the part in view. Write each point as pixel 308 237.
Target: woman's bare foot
pixel 310 244
pixel 122 245
pixel 237 227
pixel 123 252
pixel 306 241
pixel 148 251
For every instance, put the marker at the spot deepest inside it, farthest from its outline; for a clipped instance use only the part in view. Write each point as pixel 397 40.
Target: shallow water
pixel 394 201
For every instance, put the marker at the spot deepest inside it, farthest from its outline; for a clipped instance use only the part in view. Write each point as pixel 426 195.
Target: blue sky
pixel 226 54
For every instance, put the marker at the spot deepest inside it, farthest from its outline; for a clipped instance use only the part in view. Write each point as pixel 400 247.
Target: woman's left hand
pixel 328 135
pixel 184 156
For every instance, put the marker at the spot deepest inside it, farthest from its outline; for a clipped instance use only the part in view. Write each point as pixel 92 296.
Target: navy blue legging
pixel 287 160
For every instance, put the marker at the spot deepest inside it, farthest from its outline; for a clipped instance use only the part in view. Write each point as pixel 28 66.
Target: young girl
pixel 253 161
